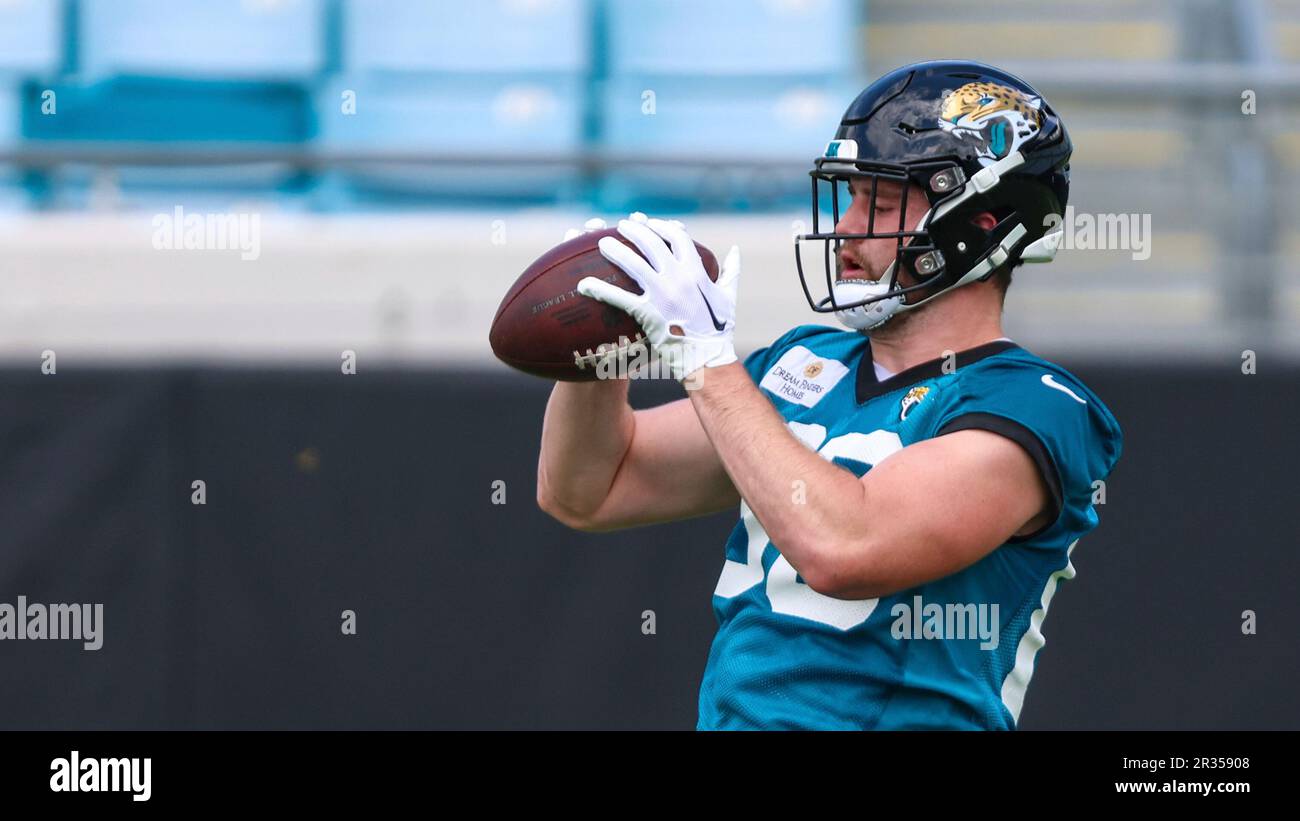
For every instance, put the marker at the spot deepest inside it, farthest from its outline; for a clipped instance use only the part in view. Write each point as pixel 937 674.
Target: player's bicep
pixel 940 505
pixel 671 471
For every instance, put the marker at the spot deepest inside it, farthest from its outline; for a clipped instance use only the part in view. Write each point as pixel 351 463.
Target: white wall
pixel 424 288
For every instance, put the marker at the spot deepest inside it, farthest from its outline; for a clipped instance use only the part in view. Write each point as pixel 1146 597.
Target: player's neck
pixel 928 334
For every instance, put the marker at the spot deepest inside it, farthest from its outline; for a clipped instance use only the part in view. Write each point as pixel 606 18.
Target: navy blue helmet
pixel 975 139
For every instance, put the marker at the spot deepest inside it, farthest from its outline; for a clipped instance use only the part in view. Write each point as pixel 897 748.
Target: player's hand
pixel 593 224
pixel 688 318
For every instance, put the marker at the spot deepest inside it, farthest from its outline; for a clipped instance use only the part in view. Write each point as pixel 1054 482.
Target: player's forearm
pixel 586 433
pixel 810 508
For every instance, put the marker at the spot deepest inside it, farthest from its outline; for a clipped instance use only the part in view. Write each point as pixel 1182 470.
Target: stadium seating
pixel 31 45
pixel 1014 32
pixel 12 195
pixel 156 110
pixel 31 35
pixel 503 77
pixel 733 38
pixel 777 126
pixel 171 73
pixel 754 83
pixel 664 105
pixel 488 36
pixel 461 116
pixel 248 39
pixel 687 82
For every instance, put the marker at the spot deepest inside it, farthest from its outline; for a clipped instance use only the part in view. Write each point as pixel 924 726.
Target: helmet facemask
pixel 865 304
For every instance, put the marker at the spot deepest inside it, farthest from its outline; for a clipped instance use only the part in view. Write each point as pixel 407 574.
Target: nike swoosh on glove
pixel 688 318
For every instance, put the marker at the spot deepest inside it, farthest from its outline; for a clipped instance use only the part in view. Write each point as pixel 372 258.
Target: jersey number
pixel 787 594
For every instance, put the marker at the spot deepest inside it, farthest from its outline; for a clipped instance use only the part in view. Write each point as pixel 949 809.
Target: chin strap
pixel 999 255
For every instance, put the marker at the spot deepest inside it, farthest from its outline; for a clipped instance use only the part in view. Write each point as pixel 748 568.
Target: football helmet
pixel 975 139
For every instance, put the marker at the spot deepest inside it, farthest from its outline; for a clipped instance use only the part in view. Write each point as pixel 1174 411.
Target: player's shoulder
pixel 1020 381
pixel 1016 370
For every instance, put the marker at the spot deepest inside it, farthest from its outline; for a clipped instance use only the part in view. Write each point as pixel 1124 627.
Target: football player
pixel 910 490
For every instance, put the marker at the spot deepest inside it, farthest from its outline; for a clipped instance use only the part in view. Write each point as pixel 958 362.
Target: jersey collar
pixel 868 387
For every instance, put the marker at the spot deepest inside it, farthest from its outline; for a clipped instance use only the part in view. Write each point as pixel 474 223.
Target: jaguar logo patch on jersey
pixel 911 400
pixel 803 377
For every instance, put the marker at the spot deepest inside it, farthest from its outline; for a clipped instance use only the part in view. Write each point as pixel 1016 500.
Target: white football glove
pixel 688 318
pixel 598 224
pixel 593 224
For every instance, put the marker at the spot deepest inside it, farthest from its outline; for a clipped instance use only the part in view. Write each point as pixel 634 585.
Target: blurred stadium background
pixel 405 161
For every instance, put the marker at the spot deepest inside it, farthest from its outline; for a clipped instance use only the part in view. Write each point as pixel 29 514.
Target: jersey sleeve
pixel 1071 436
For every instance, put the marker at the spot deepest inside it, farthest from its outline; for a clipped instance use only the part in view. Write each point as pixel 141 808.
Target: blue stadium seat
pixel 486 36
pixel 734 37
pixel 784 122
pixel 460 114
pixel 11 119
pixel 480 115
pixel 239 39
pixel 133 109
pixel 755 119
pixel 31 36
pixel 11 193
pixel 176 112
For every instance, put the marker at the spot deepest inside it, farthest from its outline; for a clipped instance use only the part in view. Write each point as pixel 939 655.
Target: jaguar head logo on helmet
pixel 1000 117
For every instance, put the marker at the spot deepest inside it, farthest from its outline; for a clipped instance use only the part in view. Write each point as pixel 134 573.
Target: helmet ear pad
pixel 1030 201
pixel 1013 201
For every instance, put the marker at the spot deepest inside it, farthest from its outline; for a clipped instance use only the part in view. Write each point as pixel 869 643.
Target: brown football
pixel 546 328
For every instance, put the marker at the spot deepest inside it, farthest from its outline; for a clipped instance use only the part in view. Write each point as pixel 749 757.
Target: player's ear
pixel 984 220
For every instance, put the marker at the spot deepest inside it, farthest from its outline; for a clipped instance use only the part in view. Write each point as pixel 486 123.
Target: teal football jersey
pixel 954 653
